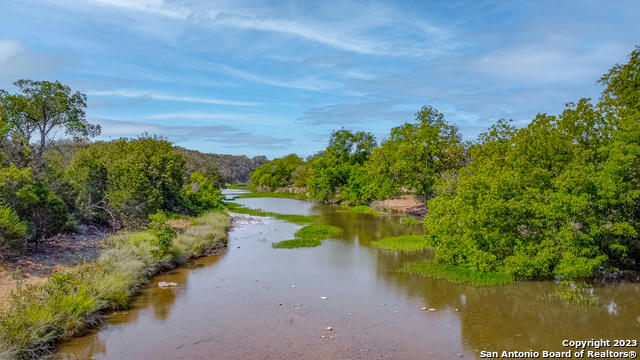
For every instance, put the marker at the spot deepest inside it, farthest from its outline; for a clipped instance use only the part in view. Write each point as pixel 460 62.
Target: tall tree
pixel 39 108
pixel 417 153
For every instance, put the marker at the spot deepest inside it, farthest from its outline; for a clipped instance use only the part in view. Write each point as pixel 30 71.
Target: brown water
pixel 256 302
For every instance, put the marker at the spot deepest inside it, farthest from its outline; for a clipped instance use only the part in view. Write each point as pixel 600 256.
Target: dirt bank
pixel 57 253
pixel 406 204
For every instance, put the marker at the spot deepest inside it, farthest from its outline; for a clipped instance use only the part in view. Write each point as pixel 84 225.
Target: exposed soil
pixel 34 265
pixel 407 204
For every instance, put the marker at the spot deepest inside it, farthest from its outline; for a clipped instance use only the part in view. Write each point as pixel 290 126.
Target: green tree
pixel 201 194
pixel 335 174
pixel 42 106
pixel 276 173
pixel 417 154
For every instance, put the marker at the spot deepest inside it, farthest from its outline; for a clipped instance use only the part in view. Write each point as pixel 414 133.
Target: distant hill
pixel 232 168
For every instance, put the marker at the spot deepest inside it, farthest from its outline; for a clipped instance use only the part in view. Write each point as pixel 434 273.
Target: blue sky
pixel 276 77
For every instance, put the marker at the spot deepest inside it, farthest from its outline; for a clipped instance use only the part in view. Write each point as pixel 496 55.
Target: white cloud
pixel 167 97
pixel 348 35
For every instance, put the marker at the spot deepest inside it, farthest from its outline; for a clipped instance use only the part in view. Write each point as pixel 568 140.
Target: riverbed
pixel 257 302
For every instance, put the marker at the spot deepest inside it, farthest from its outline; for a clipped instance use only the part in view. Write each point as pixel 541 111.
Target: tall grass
pixel 71 301
pixel 455 274
pixel 407 243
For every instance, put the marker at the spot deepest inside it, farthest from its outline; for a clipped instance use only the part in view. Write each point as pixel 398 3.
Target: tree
pixel 417 153
pixel 39 108
pixel 335 173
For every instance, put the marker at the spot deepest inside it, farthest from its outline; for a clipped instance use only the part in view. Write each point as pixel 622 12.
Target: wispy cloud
pixel 128 93
pixel 307 83
pixel 342 35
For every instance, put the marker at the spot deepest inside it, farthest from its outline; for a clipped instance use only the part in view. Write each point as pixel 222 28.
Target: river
pixel 257 302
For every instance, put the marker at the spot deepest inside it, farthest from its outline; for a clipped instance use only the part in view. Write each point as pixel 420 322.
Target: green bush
pixel 276 173
pixel 201 194
pixel 13 231
pixel 127 180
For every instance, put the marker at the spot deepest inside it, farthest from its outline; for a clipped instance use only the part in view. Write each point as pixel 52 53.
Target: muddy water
pixel 256 302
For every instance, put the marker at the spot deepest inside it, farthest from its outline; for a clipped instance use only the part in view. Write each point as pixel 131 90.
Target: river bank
pixel 71 301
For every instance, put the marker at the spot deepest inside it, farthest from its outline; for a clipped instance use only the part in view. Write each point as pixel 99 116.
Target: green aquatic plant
pixel 404 243
pixel 316 231
pixel 408 220
pixel 570 292
pixel 296 243
pixel 455 274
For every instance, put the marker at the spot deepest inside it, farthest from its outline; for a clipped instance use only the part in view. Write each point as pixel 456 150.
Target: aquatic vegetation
pixel 316 231
pixel 404 243
pixel 576 293
pixel 70 301
pixel 297 243
pixel 455 274
pixel 408 220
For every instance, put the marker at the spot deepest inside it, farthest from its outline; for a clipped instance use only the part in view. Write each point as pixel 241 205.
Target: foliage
pixel 408 220
pixel 201 194
pixel 12 230
pixel 276 173
pixel 41 107
pixel 33 202
pixel 556 198
pixel 455 274
pixel 163 233
pixel 126 180
pixel 407 243
pixel 336 174
pixel 416 155
pixel 71 300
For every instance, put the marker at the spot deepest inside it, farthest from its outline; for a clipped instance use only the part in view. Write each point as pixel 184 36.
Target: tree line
pixel 557 198
pixel 48 187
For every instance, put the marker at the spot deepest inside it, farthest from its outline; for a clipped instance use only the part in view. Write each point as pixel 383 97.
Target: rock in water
pixel 167 284
pixel 329 328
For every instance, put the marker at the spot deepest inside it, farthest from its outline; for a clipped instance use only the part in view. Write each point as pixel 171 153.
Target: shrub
pixel 12 230
pixel 127 180
pixel 201 194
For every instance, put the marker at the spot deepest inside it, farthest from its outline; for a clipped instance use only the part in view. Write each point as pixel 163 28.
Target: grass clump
pixel 455 274
pixel 404 243
pixel 576 293
pixel 70 301
pixel 309 236
pixel 296 243
pixel 317 231
pixel 408 220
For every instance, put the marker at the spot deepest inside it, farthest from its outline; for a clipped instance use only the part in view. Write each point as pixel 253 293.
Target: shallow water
pixel 256 302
